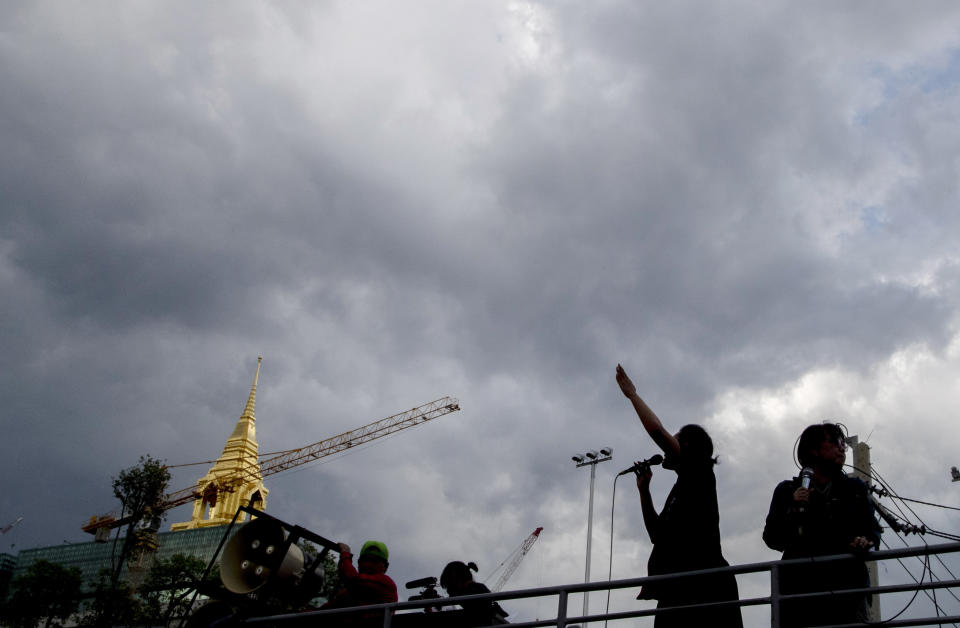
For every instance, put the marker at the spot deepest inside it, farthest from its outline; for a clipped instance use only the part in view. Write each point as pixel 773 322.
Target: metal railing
pixel 399 614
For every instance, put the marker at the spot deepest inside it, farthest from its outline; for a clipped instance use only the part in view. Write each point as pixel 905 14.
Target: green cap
pixel 375 549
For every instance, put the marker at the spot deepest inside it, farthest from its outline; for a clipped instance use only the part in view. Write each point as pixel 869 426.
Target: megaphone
pixel 252 558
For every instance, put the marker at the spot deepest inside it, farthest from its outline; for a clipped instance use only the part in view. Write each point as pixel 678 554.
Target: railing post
pixel 775 596
pixel 387 617
pixel 562 610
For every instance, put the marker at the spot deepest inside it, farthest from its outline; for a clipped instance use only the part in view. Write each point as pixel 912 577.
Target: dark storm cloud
pixel 697 245
pixel 394 205
pixel 139 197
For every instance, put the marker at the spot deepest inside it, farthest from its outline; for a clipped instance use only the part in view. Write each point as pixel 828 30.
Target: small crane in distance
pixel 513 560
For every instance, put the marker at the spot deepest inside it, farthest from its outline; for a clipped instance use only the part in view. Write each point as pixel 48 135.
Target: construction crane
pixel 513 561
pixel 289 459
pixel 11 525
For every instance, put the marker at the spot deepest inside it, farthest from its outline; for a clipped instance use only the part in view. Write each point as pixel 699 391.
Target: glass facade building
pixel 91 557
pixel 7 564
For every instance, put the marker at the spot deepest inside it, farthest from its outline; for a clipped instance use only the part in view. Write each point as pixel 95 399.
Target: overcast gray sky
pixel 751 205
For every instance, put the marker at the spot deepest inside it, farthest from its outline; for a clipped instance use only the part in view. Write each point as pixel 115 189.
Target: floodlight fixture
pixel 606 451
pixel 592 454
pixel 578 459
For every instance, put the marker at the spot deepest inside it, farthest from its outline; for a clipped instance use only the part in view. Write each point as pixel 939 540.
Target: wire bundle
pixel 902 526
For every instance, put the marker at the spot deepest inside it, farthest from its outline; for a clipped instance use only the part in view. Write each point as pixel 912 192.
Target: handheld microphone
pixel 806 477
pixel 657 459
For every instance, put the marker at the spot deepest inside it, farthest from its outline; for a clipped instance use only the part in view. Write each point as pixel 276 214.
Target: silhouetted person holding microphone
pixel 686 533
pixel 822 512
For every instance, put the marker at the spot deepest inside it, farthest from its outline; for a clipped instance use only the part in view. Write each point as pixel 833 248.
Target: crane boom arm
pixel 359 436
pixel 514 561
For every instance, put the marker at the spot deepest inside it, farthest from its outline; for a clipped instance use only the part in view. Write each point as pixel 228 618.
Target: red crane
pixel 513 561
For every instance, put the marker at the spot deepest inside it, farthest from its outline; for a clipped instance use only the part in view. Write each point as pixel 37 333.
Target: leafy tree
pixel 331 577
pixel 166 591
pixel 113 603
pixel 141 491
pixel 46 591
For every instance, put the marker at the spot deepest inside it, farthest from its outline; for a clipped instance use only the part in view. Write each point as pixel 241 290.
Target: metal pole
pixel 862 470
pixel 595 458
pixel 775 596
pixel 562 610
pixel 586 575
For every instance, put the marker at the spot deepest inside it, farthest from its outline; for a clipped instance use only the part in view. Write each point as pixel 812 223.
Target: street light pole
pixel 586 572
pixel 591 459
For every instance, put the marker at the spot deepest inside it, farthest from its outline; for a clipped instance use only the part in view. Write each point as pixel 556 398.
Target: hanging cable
pixel 909 603
pixel 943 535
pixel 228 459
pixel 613 501
pixel 888 491
pixel 898 527
pixel 885 492
pixel 912 577
pixel 886 486
pixel 935 605
pixel 907 569
pixel 917 501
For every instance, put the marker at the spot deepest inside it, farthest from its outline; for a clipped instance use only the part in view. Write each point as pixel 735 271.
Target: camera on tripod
pixel 429 586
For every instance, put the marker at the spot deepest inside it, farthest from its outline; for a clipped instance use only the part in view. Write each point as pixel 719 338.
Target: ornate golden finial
pixel 251 401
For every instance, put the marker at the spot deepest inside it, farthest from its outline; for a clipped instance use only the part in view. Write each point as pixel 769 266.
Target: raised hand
pixel 626 385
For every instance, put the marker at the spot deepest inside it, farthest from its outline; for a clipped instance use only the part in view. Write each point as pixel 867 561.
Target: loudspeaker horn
pixel 250 558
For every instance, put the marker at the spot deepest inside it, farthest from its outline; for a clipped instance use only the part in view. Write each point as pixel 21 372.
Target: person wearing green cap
pixel 368 582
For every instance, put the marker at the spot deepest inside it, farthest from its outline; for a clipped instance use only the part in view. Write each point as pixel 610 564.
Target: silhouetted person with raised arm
pixel 367 583
pixel 833 516
pixel 686 533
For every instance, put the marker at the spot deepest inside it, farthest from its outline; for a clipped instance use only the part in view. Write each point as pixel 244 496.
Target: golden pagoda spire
pixel 252 400
pixel 246 426
pixel 234 479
